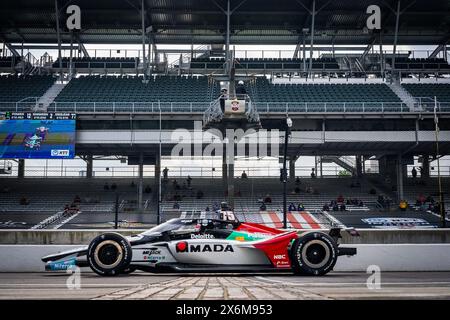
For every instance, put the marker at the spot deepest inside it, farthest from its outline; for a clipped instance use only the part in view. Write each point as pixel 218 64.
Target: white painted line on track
pixel 336 284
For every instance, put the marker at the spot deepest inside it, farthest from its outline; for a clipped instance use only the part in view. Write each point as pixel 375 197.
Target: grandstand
pixel 357 98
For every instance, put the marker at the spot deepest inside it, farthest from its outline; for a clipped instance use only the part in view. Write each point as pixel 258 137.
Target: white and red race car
pixel 208 245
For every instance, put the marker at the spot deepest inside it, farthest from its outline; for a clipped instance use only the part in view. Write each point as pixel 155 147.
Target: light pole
pixel 441 198
pixel 284 173
pixel 158 214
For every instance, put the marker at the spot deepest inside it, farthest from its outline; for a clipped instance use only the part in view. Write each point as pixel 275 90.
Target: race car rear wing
pixel 335 233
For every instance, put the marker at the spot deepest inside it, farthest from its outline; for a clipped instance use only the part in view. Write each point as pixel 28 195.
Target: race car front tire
pixel 314 254
pixel 109 254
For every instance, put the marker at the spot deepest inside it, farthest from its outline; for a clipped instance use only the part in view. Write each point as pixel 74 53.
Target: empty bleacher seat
pixel 124 90
pixel 326 97
pixel 15 88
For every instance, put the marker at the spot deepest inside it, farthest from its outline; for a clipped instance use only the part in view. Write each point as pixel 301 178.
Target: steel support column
pixel 292 169
pixel 313 16
pixel 397 20
pixel 227 43
pixel 58 36
pixel 230 177
pixel 381 55
pixel 400 193
pixel 89 166
pixel 141 181
pixel 158 188
pixel 21 168
pixel 144 62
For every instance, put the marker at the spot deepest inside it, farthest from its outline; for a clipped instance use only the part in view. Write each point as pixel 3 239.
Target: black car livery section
pixel 206 245
pixel 186 247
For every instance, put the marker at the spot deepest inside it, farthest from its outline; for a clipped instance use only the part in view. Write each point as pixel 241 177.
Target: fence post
pixel 344 108
pixel 114 107
pixel 94 106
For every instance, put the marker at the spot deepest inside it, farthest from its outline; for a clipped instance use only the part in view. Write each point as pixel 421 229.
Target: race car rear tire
pixel 109 254
pixel 314 254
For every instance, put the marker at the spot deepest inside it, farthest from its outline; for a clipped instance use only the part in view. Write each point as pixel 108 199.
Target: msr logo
pixel 185 247
pixel 182 246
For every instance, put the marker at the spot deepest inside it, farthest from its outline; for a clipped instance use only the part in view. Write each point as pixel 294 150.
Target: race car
pixel 218 244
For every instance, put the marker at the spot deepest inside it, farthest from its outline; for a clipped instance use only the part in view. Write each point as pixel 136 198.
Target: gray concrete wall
pixel 388 257
pixel 368 236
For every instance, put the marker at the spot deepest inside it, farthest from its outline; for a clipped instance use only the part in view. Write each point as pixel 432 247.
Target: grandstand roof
pixel 202 21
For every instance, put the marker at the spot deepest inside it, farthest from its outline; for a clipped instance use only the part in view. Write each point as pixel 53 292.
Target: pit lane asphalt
pixel 140 285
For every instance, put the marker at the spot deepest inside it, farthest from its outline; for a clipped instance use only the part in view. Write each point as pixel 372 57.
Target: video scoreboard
pixel 37 116
pixel 34 135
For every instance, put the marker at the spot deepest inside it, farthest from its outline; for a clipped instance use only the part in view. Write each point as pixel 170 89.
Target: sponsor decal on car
pixel 185 247
pixel 60 265
pixel 202 236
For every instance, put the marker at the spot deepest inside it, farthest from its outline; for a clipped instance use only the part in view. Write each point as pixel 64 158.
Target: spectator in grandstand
pixel 267 199
pixel 297 190
pixel 429 199
pixel 189 181
pixel 148 189
pixel 360 203
pixel 6 189
pixel 372 191
pixel 313 174
pixel 301 207
pixel 335 207
pixel 420 199
pixel 132 185
pixel 343 207
pixel 216 206
pixel 309 189
pixel 403 205
pixel 297 181
pixel 176 197
pixel 24 201
pixel 291 207
pixel 176 205
pixel 414 172
pixel 77 199
pixel 184 186
pixel 325 207
pixel 244 175
pixel 165 173
pixel 113 186
pixel 106 186
pixel 240 88
pixel 207 209
pixel 199 194
pixel 223 96
pixel 340 199
pixel 263 207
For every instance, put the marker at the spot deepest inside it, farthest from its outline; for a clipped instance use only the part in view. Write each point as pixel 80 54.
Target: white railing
pixel 201 107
